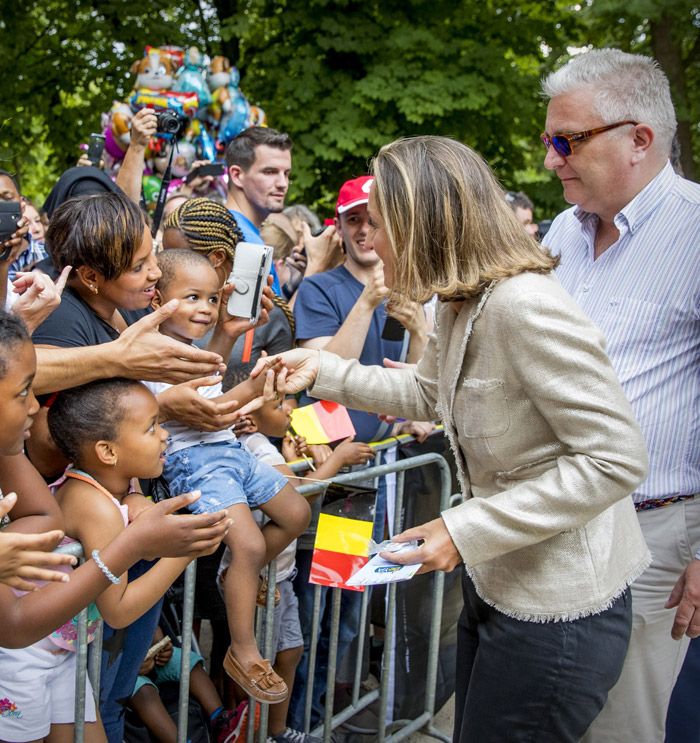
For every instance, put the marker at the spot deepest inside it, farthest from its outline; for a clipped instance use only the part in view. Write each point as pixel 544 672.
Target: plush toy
pixel 176 54
pixel 153 72
pixel 120 127
pixel 191 77
pixel 219 79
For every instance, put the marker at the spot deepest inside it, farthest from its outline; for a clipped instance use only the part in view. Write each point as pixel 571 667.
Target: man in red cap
pixel 343 310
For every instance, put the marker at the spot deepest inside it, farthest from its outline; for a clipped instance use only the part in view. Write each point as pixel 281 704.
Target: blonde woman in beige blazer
pixel 546 446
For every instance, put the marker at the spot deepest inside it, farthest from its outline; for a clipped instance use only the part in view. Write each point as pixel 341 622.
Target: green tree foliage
pixel 345 77
pixel 62 64
pixel 341 76
pixel 668 30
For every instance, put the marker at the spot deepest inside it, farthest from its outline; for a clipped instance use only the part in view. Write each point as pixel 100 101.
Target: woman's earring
pixel 95 290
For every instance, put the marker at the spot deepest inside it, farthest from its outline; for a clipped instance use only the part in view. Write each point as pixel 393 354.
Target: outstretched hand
pixel 145 353
pixel 164 533
pixel 183 403
pixel 39 296
pixel 27 557
pixel 302 365
pixel 438 551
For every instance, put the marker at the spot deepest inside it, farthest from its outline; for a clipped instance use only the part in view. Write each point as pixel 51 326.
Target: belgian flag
pixel 343 535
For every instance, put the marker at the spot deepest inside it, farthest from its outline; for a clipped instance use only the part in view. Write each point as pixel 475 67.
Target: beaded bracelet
pixel 111 577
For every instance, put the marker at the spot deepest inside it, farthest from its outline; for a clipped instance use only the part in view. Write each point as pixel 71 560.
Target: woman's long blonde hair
pixel 447 221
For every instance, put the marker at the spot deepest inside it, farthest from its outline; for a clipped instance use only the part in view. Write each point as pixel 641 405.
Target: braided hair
pixel 207 225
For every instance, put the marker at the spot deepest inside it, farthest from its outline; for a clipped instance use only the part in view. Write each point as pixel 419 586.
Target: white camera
pixel 251 267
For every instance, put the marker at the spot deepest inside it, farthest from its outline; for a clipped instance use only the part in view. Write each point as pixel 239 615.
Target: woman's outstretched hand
pixel 438 551
pixel 302 365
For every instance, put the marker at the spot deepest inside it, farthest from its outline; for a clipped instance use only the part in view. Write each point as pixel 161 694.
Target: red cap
pixel 353 193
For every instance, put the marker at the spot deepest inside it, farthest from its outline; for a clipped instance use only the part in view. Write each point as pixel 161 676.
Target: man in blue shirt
pixel 258 161
pixel 629 256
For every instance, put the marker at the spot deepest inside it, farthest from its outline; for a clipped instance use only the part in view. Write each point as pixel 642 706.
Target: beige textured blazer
pixel 547 448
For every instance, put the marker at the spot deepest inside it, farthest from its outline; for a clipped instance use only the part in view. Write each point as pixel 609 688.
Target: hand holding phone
pixel 10 218
pixel 96 146
pixel 251 267
pixel 212 169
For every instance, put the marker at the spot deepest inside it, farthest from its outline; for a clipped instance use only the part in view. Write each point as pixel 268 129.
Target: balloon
pixel 112 147
pixel 191 77
pixel 182 103
pixel 151 189
pixel 236 121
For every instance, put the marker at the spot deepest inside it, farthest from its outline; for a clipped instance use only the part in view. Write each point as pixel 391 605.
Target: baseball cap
pixel 353 193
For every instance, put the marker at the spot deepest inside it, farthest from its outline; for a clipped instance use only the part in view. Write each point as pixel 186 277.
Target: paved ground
pixel 444 722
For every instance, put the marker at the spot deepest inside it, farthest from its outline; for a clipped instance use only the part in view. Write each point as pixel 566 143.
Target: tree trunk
pixel 668 54
pixel 231 47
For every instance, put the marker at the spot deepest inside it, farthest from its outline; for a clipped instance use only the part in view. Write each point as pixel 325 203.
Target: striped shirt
pixel 643 292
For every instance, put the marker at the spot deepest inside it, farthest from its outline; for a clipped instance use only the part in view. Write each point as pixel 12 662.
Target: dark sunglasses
pixel 564 143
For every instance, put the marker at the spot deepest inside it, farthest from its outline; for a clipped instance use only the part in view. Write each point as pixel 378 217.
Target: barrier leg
pixel 186 641
pixel 95 662
pixel 313 647
pixel 80 676
pixel 267 651
pixel 332 664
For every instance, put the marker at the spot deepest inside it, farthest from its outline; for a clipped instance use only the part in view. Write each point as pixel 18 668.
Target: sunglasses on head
pixel 564 143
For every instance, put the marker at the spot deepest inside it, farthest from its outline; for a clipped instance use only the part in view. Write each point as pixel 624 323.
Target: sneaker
pixel 227 726
pixel 243 732
pixel 293 736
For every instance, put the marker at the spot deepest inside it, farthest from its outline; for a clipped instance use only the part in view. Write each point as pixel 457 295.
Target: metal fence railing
pixel 397 729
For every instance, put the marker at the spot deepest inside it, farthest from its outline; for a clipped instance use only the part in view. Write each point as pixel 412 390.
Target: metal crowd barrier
pixel 398 729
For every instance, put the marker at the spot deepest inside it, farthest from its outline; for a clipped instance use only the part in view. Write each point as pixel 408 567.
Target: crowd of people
pixel 562 363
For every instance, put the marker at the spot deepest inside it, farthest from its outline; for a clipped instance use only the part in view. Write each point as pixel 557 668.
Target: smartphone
pixel 207 169
pixel 393 330
pixel 10 215
pixel 96 146
pixel 251 267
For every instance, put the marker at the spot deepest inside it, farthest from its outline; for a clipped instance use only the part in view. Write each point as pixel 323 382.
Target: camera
pixel 170 122
pixel 251 267
pixel 10 215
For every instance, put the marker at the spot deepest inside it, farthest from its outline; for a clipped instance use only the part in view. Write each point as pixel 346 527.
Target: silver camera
pixel 251 267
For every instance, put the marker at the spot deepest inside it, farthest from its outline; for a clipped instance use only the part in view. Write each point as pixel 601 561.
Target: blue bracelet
pixel 111 577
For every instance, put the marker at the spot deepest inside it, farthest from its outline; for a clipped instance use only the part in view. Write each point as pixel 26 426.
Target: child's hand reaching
pixel 353 452
pixel 320 453
pixel 28 557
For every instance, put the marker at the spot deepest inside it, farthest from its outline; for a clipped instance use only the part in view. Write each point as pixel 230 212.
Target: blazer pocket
pixel 482 407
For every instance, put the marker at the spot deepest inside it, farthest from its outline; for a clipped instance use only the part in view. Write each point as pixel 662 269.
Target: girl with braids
pixel 209 228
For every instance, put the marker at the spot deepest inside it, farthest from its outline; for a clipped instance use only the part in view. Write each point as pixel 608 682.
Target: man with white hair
pixel 630 256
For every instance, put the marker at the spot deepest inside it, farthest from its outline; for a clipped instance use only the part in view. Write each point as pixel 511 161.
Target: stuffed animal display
pixel 207 109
